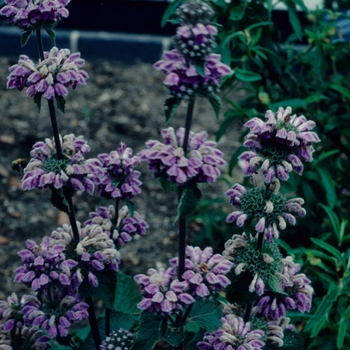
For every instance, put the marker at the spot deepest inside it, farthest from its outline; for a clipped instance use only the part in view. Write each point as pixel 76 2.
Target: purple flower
pixel 201 164
pixel 29 14
pixel 204 272
pixel 234 334
pixel 182 78
pixel 43 265
pixel 55 317
pixel 118 339
pixel 272 212
pixel 162 293
pixel 297 289
pixel 118 179
pixel 51 77
pixel 126 226
pixel 45 170
pixel 279 145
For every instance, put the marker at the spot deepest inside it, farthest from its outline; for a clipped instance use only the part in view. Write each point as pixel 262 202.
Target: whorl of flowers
pixel 46 170
pixel 234 334
pixel 119 339
pixel 194 11
pixel 295 285
pixel 182 78
pixel 126 226
pixel 204 272
pixel 55 318
pixel 270 208
pixel 50 77
pixel 11 311
pixel 200 164
pixel 28 337
pixel 279 145
pixel 162 293
pixel 119 179
pixel 44 265
pixel 246 257
pixel 31 14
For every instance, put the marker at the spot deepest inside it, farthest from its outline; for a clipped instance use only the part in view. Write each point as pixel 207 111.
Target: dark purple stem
pixel 93 323
pixel 52 110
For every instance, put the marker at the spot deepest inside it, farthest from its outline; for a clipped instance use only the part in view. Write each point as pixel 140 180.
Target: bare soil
pixel 119 103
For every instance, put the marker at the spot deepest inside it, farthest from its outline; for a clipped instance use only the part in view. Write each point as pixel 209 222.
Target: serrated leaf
pixel 207 314
pixel 37 100
pixel 171 104
pixel 61 103
pixel 172 336
pixel 335 252
pixel 189 200
pixel 121 320
pixel 246 75
pixel 215 102
pixel 126 286
pixel 25 37
pixel 147 333
pixel 291 340
pixel 131 207
pixel 341 335
pixel 106 289
pixel 58 200
pixel 320 317
pixel 274 284
pixel 52 35
pixel 168 185
pixel 169 11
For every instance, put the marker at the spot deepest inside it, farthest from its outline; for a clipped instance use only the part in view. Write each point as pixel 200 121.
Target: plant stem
pixel 71 215
pixel 52 111
pixel 93 323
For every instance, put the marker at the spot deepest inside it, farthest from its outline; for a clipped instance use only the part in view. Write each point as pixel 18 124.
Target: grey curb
pixel 127 48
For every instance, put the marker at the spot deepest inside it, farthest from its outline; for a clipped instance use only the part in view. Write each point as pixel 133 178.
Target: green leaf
pixel 147 333
pixel 200 66
pixel 189 200
pixel 341 335
pixel 131 207
pixel 320 317
pixel 215 102
pixel 126 286
pixel 294 18
pixel 284 245
pixel 333 218
pixel 169 11
pixel 37 100
pixel 106 289
pixel 51 33
pixel 346 315
pixel 61 103
pixel 168 185
pixel 335 252
pixel 328 184
pixel 246 75
pixel 237 10
pixel 191 343
pixel 274 284
pixel 121 320
pixel 171 104
pixel 58 200
pixel 291 340
pixel 173 336
pixel 25 37
pixel 295 103
pixel 207 314
pixel 224 126
pixel 341 89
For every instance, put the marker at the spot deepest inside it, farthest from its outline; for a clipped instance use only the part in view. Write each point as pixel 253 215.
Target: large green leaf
pixel 171 104
pixel 341 335
pixel 207 314
pixel 294 18
pixel 215 102
pixel 147 334
pixel 320 317
pixel 328 184
pixel 106 289
pixel 333 218
pixel 246 75
pixel 126 287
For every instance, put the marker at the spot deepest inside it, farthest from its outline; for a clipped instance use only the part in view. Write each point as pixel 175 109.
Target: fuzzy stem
pixel 248 312
pixel 50 102
pixel 72 219
pixel 93 323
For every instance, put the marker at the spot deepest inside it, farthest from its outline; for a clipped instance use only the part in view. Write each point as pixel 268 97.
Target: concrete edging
pixel 124 47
